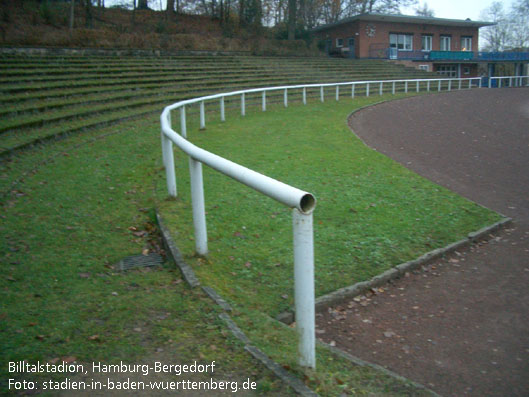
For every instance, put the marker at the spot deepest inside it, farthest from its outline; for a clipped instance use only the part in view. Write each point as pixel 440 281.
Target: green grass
pixel 68 209
pixel 67 221
pixel 62 228
pixel 372 213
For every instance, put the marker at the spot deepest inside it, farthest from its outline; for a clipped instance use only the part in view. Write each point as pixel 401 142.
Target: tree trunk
pixel 88 14
pixel 143 5
pixel 242 4
pixel 72 14
pixel 170 7
pixel 291 19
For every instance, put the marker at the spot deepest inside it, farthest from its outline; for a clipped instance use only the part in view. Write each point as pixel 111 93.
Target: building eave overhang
pixel 370 17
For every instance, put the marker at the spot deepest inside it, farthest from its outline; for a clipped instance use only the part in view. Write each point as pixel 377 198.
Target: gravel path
pixel 461 325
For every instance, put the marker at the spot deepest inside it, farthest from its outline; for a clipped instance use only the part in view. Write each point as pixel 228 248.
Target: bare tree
pixel 143 4
pixel 519 21
pixel 424 11
pixel 292 14
pixel 496 36
pixel 170 6
pixel 89 20
pixel 72 15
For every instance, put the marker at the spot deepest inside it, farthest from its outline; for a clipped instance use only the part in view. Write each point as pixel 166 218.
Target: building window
pixel 339 42
pixel 402 42
pixel 466 70
pixel 447 70
pixel 424 67
pixel 466 43
pixel 445 43
pixel 426 43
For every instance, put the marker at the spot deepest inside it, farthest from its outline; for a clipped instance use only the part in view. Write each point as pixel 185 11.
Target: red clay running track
pixel 461 327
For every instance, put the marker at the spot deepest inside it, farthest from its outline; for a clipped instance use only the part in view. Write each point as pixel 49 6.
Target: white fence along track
pixel 302 203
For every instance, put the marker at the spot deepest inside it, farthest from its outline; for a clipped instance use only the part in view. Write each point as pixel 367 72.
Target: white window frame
pixel 426 42
pixel 424 67
pixel 447 70
pixel 464 41
pixel 339 43
pixel 445 43
pixel 402 42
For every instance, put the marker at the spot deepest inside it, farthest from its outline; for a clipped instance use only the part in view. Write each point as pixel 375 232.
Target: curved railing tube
pixel 302 203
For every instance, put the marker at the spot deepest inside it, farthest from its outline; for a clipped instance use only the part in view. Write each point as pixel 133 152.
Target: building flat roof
pixel 406 19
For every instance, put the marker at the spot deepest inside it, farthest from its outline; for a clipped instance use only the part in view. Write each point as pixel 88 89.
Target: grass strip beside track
pixel 372 213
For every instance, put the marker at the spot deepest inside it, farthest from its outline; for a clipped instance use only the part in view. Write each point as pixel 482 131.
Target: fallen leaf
pixel 84 275
pixel 94 338
pixel 69 359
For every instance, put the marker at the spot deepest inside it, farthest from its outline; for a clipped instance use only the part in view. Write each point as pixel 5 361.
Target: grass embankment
pixel 64 95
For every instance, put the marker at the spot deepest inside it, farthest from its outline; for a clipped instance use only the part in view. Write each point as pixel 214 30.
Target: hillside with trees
pixel 263 27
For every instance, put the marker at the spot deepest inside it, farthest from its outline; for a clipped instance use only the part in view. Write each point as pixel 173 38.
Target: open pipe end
pixel 307 203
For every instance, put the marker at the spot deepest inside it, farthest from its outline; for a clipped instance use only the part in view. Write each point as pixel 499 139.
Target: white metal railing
pixel 509 81
pixel 302 203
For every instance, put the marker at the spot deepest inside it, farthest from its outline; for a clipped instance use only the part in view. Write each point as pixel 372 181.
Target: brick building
pixel 446 46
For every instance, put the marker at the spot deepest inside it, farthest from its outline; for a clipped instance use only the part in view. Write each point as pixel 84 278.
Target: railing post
pixel 165 142
pixel 393 88
pixel 510 81
pixel 449 84
pixel 321 94
pixel 337 93
pixel 439 86
pixel 199 212
pixel 169 166
pixel 469 84
pixel 264 101
pixel 285 98
pixel 367 89
pixel 243 105
pixel 490 82
pixel 304 95
pixel 202 116
pixel 222 113
pixel 353 90
pixel 459 86
pixel 406 86
pixel 381 90
pixel 304 287
pixel 417 84
pixel 168 162
pixel 183 123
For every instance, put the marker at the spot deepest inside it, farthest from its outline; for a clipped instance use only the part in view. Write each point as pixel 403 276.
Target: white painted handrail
pixel 516 80
pixel 302 203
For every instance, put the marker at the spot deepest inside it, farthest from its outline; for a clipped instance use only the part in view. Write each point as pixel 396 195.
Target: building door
pixel 351 45
pixel 328 46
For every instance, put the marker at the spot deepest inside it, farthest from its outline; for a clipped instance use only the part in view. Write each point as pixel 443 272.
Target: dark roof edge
pixel 405 19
